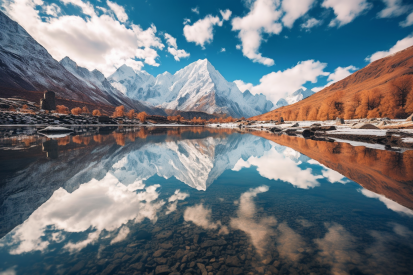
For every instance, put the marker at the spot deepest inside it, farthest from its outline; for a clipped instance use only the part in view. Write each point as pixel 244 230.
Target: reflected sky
pixel 180 200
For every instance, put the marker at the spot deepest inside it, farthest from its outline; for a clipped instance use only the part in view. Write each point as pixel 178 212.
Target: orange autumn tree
pixel 130 114
pixel 119 111
pixel 85 110
pixel 142 116
pixel 96 113
pixel 62 109
pixel 76 111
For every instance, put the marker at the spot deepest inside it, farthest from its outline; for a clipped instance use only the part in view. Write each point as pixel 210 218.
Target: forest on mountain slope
pixel 383 88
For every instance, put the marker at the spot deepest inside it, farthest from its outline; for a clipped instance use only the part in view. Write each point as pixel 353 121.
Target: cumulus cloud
pixel 259 230
pixel 242 86
pixel 408 22
pixel 276 85
pixel 346 11
pixel 200 216
pixel 262 18
pixel 393 8
pixel 400 45
pixel 294 9
pixel 108 205
pixel 339 74
pixel 118 10
pixel 337 249
pixel 173 200
pixel 310 23
pixel 97 41
pixel 173 48
pixel 225 14
pixel 201 32
pixel 276 166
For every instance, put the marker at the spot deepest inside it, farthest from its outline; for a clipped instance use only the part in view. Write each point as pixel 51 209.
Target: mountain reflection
pixel 136 199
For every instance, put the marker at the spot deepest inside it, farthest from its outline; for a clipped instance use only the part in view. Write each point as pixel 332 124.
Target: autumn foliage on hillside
pixel 384 88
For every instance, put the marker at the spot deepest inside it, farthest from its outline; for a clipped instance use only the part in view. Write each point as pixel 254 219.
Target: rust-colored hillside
pixel 368 92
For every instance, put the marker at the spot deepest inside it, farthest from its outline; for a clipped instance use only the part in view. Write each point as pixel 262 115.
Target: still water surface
pixel 202 201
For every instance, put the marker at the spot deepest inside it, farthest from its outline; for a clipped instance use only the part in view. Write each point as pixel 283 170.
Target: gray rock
pixel 364 126
pixel 162 269
pixel 232 261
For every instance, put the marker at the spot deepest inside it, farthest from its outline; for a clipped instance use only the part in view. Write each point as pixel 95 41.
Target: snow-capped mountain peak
pixel 196 87
pixel 294 97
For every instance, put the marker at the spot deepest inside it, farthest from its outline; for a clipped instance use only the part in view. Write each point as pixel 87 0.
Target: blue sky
pixel 269 45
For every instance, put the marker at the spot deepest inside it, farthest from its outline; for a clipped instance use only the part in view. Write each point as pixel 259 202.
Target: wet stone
pixel 162 269
pixel 232 261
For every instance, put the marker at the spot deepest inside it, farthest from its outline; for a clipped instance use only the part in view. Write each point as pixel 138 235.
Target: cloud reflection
pixel 276 166
pixel 106 205
pixel 392 205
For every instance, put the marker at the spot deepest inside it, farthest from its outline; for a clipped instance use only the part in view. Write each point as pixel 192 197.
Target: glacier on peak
pixel 196 87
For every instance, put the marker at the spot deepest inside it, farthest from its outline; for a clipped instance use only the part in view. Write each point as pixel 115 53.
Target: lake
pixel 196 200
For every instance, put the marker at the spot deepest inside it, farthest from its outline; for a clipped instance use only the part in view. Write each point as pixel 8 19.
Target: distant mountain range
pixel 293 98
pixel 25 65
pixel 196 87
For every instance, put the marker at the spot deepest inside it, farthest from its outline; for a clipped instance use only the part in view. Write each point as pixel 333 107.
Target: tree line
pixel 395 102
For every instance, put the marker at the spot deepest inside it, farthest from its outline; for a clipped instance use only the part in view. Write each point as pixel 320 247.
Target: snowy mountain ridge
pixel 294 97
pixel 196 87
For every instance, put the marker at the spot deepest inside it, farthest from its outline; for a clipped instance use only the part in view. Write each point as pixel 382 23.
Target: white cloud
pixel 118 10
pixel 201 31
pixel 242 86
pixel 95 42
pixel 393 8
pixel 346 11
pixel 123 233
pixel 276 85
pixel 53 10
pixel 109 206
pixel 222 50
pixel 392 205
pixel 225 14
pixel 262 18
pixel 275 166
pixel 195 10
pixel 170 40
pixel 408 22
pixel 173 200
pixel 294 9
pixel 337 249
pixel 259 230
pixel 340 73
pixel 173 48
pixel 187 21
pixel 200 216
pixel 9 271
pixel 310 23
pixel 400 45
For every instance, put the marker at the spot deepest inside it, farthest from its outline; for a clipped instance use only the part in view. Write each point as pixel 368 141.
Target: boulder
pixel 295 125
pixel 315 124
pixel 410 118
pixel 382 123
pixel 104 119
pixel 275 129
pixel 48 102
pixel 364 126
pixel 323 128
pixel 339 121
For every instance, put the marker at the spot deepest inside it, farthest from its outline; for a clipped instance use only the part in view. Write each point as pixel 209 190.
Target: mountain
pixel 281 103
pixel 196 87
pixel 373 80
pixel 25 65
pixel 298 95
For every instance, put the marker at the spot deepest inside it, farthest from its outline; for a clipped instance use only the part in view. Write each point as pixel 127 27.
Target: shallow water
pixel 195 200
